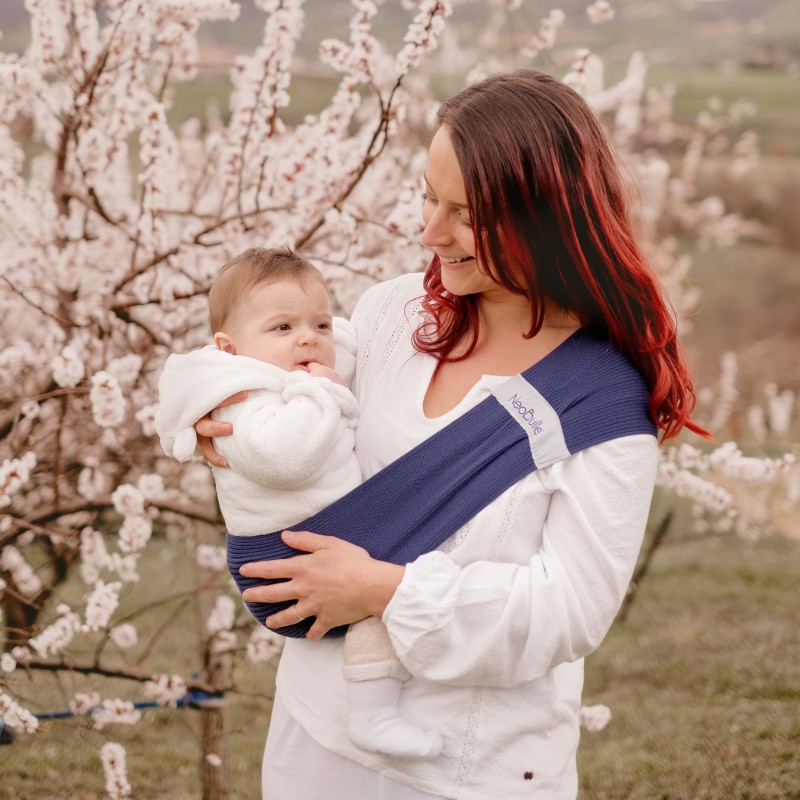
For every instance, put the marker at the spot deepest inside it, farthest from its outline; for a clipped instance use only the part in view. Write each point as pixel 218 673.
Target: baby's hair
pixel 250 269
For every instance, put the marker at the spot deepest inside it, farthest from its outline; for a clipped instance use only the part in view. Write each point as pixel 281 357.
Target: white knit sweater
pixel 493 626
pixel 291 452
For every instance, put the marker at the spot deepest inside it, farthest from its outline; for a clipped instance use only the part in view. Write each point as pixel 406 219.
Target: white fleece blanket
pixel 291 452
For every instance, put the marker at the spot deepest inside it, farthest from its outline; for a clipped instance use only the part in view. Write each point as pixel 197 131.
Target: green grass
pixel 702 680
pixel 309 95
pixel 748 306
pixel 774 93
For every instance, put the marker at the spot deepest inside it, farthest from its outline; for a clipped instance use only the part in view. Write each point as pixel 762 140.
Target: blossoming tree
pixel 114 224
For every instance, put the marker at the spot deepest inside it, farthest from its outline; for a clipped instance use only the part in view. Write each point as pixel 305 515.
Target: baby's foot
pixel 385 731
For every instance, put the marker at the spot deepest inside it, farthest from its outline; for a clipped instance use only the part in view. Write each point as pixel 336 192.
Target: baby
pixel 292 448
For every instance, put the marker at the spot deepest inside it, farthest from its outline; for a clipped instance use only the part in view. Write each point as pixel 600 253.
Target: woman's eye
pixel 426 198
pixel 465 222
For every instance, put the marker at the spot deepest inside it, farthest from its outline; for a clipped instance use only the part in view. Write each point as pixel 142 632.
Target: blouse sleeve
pixel 501 624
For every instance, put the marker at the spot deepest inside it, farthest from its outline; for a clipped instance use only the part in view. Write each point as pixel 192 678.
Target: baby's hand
pixel 319 371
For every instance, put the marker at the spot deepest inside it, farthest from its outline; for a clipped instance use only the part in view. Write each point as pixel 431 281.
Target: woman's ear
pixel 224 342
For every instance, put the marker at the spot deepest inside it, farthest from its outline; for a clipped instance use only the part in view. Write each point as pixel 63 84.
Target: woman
pixel 525 212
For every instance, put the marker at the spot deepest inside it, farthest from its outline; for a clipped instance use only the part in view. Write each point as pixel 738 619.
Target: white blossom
pixel 115 711
pixel 211 557
pixel 94 555
pixel 108 404
pixel 92 483
pixel 423 34
pixel 101 603
pixel 128 500
pixel 727 394
pixel 124 635
pixel 112 756
pixel 20 653
pixel 7 662
pixel 68 369
pixel 197 482
pixel 222 616
pixel 82 703
pixel 15 716
pixel 729 460
pixel 22 574
pixel 125 566
pixel 545 36
pixel 780 409
pixel 56 636
pixel 263 644
pixel 757 423
pixel 134 533
pixel 151 486
pixel 125 369
pixel 600 11
pixel 146 417
pixel 29 409
pixel 594 718
pixel 223 642
pixel 686 484
pixel 167 689
pixel 14 474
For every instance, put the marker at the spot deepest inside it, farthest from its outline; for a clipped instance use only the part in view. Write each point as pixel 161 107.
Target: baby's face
pixel 286 324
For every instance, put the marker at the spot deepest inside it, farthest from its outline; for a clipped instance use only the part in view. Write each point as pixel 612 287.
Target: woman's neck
pixel 505 316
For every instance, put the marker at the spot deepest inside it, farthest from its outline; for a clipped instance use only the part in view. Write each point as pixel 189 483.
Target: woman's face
pixel 448 228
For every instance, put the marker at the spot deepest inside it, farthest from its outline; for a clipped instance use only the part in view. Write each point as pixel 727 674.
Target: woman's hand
pixel 208 428
pixel 336 582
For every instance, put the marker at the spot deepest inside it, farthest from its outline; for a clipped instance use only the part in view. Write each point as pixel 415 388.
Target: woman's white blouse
pixel 494 625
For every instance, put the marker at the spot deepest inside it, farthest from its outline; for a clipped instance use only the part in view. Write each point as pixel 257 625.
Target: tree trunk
pixel 214 763
pixel 643 566
pixel 214 739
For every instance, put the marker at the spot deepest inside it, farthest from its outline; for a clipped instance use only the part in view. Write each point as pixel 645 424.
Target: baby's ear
pixel 224 343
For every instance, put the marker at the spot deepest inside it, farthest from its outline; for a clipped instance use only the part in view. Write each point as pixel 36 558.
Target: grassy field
pixel 702 680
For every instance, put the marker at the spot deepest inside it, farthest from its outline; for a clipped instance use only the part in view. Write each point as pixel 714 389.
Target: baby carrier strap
pixel 583 393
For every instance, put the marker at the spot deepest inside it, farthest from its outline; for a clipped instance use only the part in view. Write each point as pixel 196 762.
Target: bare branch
pixel 60 320
pixel 375 147
pixel 138 674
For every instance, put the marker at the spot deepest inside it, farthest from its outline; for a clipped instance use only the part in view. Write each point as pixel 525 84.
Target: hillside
pixel 737 32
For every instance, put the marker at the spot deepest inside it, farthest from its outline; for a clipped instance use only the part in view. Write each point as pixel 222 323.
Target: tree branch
pixel 125 672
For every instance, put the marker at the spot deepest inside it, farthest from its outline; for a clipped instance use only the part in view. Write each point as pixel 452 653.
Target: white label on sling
pixel 536 417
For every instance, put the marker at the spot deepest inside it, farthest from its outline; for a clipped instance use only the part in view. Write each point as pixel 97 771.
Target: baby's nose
pixel 308 336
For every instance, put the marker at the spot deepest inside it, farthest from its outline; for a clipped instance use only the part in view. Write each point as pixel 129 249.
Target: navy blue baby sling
pixel 582 393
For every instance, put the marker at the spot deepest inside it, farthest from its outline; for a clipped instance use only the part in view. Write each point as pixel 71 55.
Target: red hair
pixel 551 223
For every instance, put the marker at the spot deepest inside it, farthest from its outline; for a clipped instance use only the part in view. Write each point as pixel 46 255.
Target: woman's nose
pixel 436 232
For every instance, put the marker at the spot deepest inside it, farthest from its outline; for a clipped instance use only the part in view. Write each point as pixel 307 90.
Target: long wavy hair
pixel 551 223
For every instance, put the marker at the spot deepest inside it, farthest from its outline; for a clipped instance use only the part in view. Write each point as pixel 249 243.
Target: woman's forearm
pixel 380 586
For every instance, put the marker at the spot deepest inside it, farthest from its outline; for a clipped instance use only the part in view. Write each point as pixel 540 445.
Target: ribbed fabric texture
pixel 419 500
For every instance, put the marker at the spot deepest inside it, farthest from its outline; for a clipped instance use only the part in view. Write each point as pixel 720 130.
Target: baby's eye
pixel 324 326
pixel 283 327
